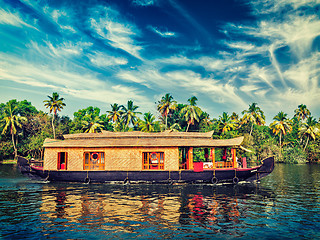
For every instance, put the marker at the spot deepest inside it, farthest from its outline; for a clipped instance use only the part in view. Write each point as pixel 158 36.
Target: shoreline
pixel 8 161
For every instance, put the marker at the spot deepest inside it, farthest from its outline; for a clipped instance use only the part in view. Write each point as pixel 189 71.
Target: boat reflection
pixel 129 208
pixel 212 209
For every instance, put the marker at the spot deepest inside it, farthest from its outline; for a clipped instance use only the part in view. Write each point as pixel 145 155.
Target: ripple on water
pixel 284 204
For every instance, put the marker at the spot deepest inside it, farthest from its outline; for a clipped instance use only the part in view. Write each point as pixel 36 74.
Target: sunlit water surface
pixel 285 205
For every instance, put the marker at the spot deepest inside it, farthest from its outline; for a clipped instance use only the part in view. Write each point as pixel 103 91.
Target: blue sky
pixel 227 53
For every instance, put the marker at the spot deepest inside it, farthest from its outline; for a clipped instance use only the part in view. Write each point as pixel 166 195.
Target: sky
pixel 227 53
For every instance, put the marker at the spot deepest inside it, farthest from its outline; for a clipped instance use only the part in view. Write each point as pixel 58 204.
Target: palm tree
pixel 166 104
pixel 11 122
pixel 55 103
pixel 253 115
pixel 302 112
pixel 281 126
pixel 92 124
pixel 175 127
pixel 148 125
pixel 191 113
pixel 205 122
pixel 235 117
pixel 129 114
pixel 115 114
pixel 225 123
pixel 120 126
pixel 310 129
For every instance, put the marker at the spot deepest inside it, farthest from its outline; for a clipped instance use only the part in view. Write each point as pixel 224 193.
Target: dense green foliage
pixel 23 128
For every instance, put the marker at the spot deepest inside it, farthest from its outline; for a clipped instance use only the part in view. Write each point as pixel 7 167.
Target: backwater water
pixel 285 205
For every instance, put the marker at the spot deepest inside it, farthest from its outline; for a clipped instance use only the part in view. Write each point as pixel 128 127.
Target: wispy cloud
pixel 305 75
pixel 110 51
pixel 144 3
pixel 284 54
pixel 14 19
pixel 103 60
pixel 108 25
pixel 269 6
pixel 67 48
pixel 217 91
pixel 162 33
pixel 77 84
pixel 61 17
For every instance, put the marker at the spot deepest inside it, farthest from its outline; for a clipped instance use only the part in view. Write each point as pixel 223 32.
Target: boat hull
pixel 154 176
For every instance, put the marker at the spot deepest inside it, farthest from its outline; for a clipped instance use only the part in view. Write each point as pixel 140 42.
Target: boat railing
pixel 36 163
pixel 209 165
pixel 223 164
pixel 183 166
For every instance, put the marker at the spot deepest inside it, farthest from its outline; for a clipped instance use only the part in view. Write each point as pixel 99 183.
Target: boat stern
pixel 264 170
pixel 267 166
pixel 24 165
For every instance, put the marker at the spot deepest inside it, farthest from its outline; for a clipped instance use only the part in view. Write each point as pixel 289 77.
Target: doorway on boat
pixel 185 155
pixel 94 161
pixel 62 160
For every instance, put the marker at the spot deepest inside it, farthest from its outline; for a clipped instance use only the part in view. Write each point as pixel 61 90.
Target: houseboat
pixel 165 157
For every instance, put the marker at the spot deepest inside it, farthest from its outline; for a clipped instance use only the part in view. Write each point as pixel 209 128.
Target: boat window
pixel 102 158
pixel 62 160
pixel 87 158
pixel 94 161
pixel 153 160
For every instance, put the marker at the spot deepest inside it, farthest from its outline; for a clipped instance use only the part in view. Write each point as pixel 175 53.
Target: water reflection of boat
pixel 133 206
pixel 165 157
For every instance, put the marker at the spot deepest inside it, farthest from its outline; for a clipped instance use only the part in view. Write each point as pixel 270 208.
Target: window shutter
pixel 66 160
pixel 59 159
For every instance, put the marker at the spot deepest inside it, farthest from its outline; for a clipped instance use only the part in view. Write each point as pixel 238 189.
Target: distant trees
pixel 90 120
pixel 129 114
pixel 191 113
pixel 281 126
pixel 148 124
pixel 115 113
pixel 302 112
pixel 55 104
pixel 23 128
pixel 226 123
pixel 165 105
pixel 253 115
pixel 310 129
pixel 12 120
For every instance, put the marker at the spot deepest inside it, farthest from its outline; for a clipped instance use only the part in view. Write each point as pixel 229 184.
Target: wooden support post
pixel 234 158
pixel 213 157
pixel 190 158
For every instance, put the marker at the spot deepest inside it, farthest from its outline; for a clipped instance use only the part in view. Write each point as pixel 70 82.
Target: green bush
pixel 294 155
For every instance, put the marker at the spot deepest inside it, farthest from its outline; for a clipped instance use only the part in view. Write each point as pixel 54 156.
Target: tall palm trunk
pixel 166 121
pixel 280 154
pixel 306 144
pixel 188 127
pixel 53 129
pixel 14 146
pixel 251 129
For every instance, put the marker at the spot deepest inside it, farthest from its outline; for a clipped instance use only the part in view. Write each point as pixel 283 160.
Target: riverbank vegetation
pixel 292 140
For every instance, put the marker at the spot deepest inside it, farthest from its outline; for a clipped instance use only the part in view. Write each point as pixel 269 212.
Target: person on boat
pixel 206 154
pixel 224 157
pixel 239 162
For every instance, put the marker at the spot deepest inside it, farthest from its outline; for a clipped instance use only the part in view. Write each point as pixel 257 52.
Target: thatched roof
pixel 141 139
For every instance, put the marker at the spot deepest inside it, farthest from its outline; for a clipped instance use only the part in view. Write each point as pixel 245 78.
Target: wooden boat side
pixel 233 175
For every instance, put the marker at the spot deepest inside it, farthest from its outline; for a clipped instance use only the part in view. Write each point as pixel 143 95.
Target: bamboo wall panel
pixel 115 158
pixel 171 159
pixel 75 158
